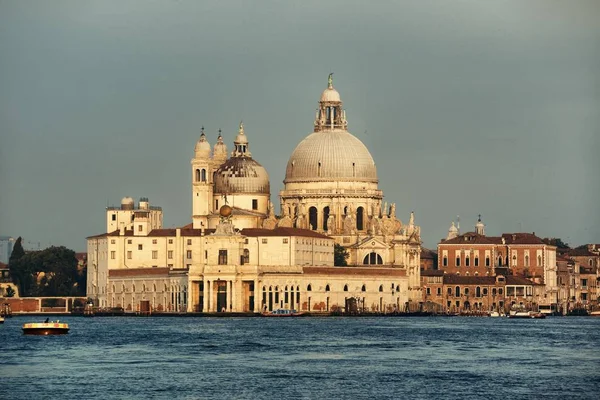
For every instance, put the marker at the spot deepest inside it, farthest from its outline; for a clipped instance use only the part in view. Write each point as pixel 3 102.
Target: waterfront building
pixel 511 255
pixel 236 255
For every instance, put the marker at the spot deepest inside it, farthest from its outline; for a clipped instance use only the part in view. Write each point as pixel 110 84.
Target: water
pixel 317 358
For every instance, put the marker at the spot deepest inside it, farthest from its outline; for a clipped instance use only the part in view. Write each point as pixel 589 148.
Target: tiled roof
pixel 473 238
pixel 427 254
pixel 518 280
pixel 255 232
pixel 521 238
pixel 354 271
pixel 431 272
pixel 583 252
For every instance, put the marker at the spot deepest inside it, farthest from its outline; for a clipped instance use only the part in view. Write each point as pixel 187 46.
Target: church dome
pixel 241 175
pixel 331 155
pixel 330 95
pixel 202 148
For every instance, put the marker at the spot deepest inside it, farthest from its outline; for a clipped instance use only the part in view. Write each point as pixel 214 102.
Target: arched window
pixel 449 291
pixel 539 261
pixel 487 261
pixel 154 287
pixel 485 291
pixel 493 291
pixel 457 291
pixel 327 289
pixel 458 261
pixel 500 261
pixel 500 291
pixel 345 288
pixel 476 261
pixel 467 261
pixel 527 261
pixel 197 175
pixel 466 291
pixel 325 217
pixel 477 291
pixel 360 218
pixel 445 261
pixel 309 288
pixel 381 288
pixel 364 288
pixel 203 175
pixel 372 259
pixel 133 289
pixel 514 260
pixel 312 218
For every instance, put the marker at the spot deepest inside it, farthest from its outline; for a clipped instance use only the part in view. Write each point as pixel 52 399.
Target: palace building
pixel 237 255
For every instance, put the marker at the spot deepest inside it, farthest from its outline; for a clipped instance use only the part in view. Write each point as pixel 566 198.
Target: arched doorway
pixel 312 218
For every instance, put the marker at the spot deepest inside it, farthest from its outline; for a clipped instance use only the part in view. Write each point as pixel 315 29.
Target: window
pixel 457 291
pixel 360 218
pixel 327 288
pixel 485 291
pixel 458 261
pixel 128 241
pixel 285 240
pixel 203 175
pixel 363 288
pixel 487 261
pixel 467 261
pixel 246 256
pixel 189 242
pixel 222 257
pixel 466 291
pixel 439 291
pixel 372 258
pixel 325 218
pixel 154 241
pixel 154 254
pixel 112 241
pixel 345 288
pixel 264 241
pixel 114 217
pixel 514 260
pixel 445 261
pixel 129 255
pixel 170 241
pixel 539 261
pixel 312 218
pixel 427 291
pixel 113 255
pixel 140 247
pixel 381 288
pixel 500 291
pixel 309 288
pixel 170 254
pixel 189 254
pixel 449 291
pixel 477 261
pixel 216 204
pixel 197 175
pixel 527 261
pixel 140 228
pixel 254 204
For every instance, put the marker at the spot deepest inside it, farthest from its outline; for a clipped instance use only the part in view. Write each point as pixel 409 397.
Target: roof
pixel 255 232
pixel 3 266
pixel 473 238
pixel 432 272
pixel 581 252
pixel 521 238
pixel 518 280
pixel 354 271
pixel 428 254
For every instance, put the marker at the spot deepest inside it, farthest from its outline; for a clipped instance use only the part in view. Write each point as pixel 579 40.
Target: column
pixel 233 295
pixel 209 299
pixel 205 297
pixel 257 296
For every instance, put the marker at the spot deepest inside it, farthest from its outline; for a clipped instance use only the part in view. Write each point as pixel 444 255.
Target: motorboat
pixel 496 314
pixel 595 313
pixel 1 320
pixel 526 314
pixel 281 312
pixel 46 328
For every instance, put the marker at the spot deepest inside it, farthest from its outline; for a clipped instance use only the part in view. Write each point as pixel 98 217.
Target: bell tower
pixel 202 185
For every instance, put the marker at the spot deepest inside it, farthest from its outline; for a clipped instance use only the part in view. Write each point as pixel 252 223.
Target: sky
pixel 467 107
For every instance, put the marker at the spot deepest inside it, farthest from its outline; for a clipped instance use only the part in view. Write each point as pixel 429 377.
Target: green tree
pixel 556 242
pixel 340 254
pixel 10 292
pixel 19 268
pixel 59 268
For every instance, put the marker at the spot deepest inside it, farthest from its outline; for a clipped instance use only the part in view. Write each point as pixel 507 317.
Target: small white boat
pixel 1 320
pixel 46 328
pixel 282 313
pixel 595 313
pixel 496 314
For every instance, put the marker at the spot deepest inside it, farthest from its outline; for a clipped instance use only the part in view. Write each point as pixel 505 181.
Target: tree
pixel 10 292
pixel 340 254
pixel 556 242
pixel 19 269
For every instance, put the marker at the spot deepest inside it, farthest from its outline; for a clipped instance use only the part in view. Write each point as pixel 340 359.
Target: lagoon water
pixel 315 358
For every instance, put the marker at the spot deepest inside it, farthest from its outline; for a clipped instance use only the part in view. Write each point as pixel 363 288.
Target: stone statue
pixel 385 207
pixel 331 224
pixel 393 211
pixel 411 221
pixel 349 224
pixel 271 210
pixel 330 80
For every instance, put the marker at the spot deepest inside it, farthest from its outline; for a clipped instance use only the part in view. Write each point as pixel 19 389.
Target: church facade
pixel 237 255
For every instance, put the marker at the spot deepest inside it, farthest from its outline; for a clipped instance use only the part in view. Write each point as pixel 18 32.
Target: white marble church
pixel 236 255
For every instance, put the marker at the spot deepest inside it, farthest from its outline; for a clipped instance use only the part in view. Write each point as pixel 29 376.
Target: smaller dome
pixel 453 228
pixel 241 175
pixel 330 95
pixel 225 211
pixel 127 200
pixel 202 146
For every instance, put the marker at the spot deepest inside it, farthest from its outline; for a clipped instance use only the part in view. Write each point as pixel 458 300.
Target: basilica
pixel 238 255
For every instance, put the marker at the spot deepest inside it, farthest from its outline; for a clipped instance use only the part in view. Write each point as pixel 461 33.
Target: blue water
pixel 316 358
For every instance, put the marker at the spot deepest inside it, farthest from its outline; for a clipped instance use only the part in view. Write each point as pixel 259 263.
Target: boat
pixel 496 314
pixel 526 314
pixel 595 313
pixel 1 320
pixel 281 312
pixel 533 314
pixel 46 328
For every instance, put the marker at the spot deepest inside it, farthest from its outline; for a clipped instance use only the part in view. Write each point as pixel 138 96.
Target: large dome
pixel 241 175
pixel 331 155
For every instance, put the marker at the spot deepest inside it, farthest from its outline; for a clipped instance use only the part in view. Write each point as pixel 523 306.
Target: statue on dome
pixel 393 211
pixel 330 80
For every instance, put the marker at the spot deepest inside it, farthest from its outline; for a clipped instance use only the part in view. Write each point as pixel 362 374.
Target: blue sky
pixel 467 107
